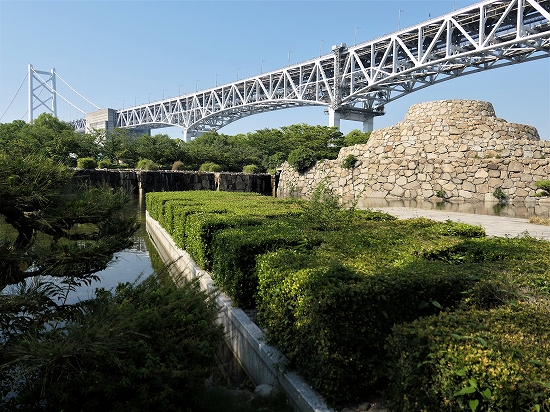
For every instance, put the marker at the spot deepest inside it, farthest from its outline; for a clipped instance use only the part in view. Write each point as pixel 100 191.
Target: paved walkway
pixel 494 225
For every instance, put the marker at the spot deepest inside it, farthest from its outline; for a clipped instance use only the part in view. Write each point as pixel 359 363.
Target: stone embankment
pixel 143 181
pixel 453 148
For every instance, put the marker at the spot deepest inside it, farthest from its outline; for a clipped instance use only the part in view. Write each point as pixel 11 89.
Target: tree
pixel 160 148
pixel 115 145
pixel 48 136
pixel 356 137
pixel 57 235
pixel 143 347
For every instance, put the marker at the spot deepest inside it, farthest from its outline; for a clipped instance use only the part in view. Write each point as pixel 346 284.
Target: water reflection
pixel 520 210
pixel 126 265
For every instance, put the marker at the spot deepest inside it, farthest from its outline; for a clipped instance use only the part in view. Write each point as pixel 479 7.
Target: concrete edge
pixel 263 363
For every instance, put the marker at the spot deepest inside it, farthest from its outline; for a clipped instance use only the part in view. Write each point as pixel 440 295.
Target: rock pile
pixel 457 149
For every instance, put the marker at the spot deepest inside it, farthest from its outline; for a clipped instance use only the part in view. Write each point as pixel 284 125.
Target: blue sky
pixel 117 53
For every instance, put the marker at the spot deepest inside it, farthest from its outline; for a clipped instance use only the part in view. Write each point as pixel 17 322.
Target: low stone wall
pixel 454 146
pixel 143 181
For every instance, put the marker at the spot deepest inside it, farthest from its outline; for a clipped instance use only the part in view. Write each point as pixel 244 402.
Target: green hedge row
pixel 330 285
pixel 485 360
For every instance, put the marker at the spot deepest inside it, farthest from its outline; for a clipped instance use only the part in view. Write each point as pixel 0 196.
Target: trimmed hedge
pixel 496 360
pixel 331 320
pixel 235 251
pixel 330 284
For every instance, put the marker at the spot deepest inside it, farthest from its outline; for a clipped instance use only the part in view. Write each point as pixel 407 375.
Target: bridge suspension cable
pixel 59 77
pixel 14 96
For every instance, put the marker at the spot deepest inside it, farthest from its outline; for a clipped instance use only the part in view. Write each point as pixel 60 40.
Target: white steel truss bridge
pixel 356 83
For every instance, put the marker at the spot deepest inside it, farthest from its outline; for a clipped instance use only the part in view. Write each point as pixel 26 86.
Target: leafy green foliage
pixel 210 167
pixel 86 163
pixel 234 253
pixel 144 347
pixel 60 236
pixel 105 164
pixel 495 360
pixel 356 137
pixel 146 164
pixel 545 186
pixel 178 165
pixel 301 159
pixel 349 161
pixel 441 194
pixel 48 137
pixel 499 194
pixel 251 169
pixel 330 283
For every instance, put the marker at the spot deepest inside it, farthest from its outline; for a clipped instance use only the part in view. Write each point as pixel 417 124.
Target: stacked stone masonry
pixel 143 181
pixel 458 147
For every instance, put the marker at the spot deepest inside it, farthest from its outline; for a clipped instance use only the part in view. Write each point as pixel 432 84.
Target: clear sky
pixel 118 53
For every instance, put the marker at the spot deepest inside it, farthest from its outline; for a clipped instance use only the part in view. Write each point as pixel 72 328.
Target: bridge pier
pixel 189 134
pixel 358 115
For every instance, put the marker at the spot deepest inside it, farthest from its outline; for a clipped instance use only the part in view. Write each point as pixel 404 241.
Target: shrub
pixel 331 320
pixel 144 347
pixel 86 163
pixel 441 194
pixel 251 169
pixel 356 137
pixel 499 194
pixel 146 164
pixel 235 251
pixel 210 167
pixel 545 186
pixel 496 360
pixel 105 164
pixel 349 161
pixel 178 165
pixel 301 159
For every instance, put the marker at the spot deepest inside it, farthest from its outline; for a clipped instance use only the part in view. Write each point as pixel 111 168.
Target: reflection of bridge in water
pixel 355 83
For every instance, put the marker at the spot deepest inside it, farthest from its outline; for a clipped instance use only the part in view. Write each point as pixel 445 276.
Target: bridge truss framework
pixel 356 83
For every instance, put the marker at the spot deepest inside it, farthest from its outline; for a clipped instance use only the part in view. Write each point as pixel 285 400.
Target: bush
pixel 545 186
pixel 86 163
pixel 331 320
pixel 496 360
pixel 499 194
pixel 144 347
pixel 349 161
pixel 301 159
pixel 251 169
pixel 210 167
pixel 146 164
pixel 178 165
pixel 333 282
pixel 356 137
pixel 235 251
pixel 105 164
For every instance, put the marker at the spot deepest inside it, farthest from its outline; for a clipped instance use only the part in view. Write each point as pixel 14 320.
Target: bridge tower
pixel 35 100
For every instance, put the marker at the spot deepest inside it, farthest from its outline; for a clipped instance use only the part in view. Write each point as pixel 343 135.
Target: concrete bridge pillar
pixel 358 115
pixel 189 134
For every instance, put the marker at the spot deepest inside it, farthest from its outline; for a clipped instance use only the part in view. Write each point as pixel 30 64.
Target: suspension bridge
pixel 352 82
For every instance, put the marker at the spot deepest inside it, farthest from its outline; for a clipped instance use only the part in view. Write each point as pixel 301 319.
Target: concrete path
pixel 494 225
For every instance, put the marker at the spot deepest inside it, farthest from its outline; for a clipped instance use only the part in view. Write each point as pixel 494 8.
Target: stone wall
pixel 454 146
pixel 142 181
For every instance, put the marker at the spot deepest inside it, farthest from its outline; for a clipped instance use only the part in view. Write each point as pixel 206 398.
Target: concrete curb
pixel 263 363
